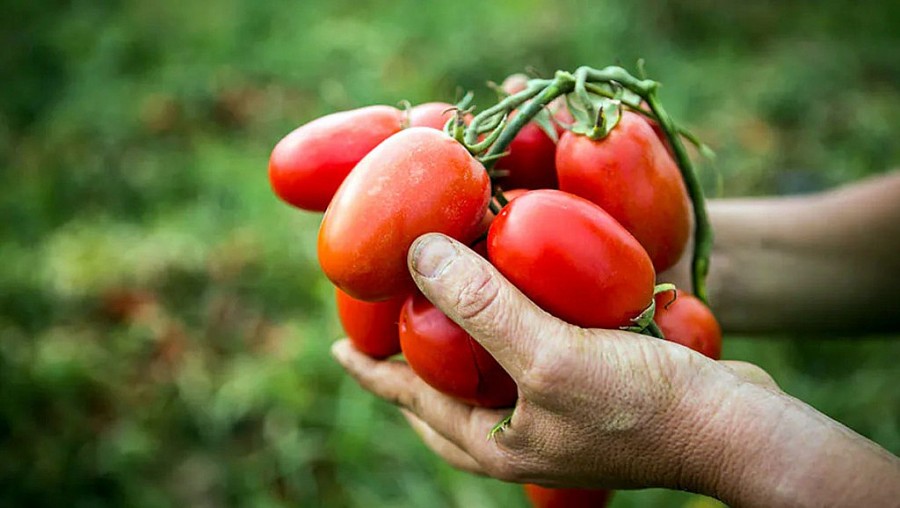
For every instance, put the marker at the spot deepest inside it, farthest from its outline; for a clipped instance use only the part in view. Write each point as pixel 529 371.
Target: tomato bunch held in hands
pixel 601 204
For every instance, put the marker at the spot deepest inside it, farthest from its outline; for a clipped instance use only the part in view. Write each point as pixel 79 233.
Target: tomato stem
pixel 654 330
pixel 703 234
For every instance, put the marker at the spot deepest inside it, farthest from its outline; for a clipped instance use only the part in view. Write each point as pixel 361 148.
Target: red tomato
pixel 532 154
pixel 543 497
pixel 572 258
pixel 431 114
pixel 631 176
pixel 449 359
pixel 308 165
pixel 371 327
pixel 531 162
pixel 418 181
pixel 686 321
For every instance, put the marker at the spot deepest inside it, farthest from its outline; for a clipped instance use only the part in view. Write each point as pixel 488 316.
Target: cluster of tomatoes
pixel 583 231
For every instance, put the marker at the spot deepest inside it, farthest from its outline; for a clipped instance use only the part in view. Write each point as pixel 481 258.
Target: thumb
pixel 471 292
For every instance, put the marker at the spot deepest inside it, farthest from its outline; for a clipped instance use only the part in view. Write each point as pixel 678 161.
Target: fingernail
pixel 432 254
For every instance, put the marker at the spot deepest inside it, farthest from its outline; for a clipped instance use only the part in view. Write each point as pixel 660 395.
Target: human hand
pixel 596 408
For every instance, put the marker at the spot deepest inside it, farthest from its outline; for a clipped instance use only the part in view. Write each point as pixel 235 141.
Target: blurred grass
pixel 163 325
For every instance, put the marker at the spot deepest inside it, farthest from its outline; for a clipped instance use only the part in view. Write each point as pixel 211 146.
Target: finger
pixel 751 373
pixel 477 297
pixel 448 451
pixel 465 426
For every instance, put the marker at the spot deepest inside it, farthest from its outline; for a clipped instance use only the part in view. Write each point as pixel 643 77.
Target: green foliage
pixel 164 329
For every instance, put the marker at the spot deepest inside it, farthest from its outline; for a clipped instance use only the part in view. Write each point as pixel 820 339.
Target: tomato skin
pixel 544 497
pixel 308 165
pixel 371 326
pixel 431 114
pixel 631 176
pixel 531 161
pixel 572 259
pixel 687 321
pixel 417 181
pixel 449 359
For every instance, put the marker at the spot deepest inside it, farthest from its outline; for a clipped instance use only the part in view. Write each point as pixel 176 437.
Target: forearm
pixel 827 263
pixel 764 448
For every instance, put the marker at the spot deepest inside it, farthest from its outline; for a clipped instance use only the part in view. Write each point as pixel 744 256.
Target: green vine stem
pixel 703 234
pixel 585 81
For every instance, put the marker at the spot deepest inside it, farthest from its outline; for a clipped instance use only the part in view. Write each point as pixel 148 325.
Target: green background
pixel 164 328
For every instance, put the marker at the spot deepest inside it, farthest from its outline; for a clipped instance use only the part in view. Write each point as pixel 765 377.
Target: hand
pixel 596 408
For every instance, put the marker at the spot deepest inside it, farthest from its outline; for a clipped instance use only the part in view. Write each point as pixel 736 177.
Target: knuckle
pixel 548 374
pixel 478 295
pixel 503 466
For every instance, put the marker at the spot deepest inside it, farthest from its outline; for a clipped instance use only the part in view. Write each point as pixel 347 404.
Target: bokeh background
pixel 164 328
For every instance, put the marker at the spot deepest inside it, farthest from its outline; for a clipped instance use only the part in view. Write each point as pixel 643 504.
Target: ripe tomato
pixel 431 114
pixel 532 154
pixel 371 326
pixel 687 321
pixel 544 497
pixel 572 258
pixel 449 359
pixel 531 161
pixel 308 165
pixel 631 176
pixel 418 181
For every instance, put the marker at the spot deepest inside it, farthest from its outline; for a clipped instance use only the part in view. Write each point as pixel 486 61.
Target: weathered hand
pixel 596 407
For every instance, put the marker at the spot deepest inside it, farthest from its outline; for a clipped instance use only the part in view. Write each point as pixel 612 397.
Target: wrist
pixel 755 446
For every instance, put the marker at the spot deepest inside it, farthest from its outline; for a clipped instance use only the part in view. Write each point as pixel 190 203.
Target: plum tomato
pixel 417 181
pixel 431 114
pixel 371 326
pixel 687 321
pixel 449 359
pixel 308 165
pixel 544 497
pixel 631 175
pixel 531 161
pixel 572 259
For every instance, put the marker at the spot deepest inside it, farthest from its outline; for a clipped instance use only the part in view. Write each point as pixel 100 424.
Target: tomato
pixel 572 259
pixel 431 114
pixel 531 161
pixel 417 181
pixel 371 326
pixel 543 497
pixel 449 359
pixel 532 153
pixel 631 176
pixel 687 321
pixel 308 165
